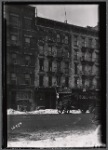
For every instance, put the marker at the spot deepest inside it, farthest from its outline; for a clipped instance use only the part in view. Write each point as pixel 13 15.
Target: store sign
pixel 23 96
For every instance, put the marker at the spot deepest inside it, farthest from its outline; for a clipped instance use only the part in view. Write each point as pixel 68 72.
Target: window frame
pixel 27 79
pixel 41 80
pixel 41 64
pixel 13 78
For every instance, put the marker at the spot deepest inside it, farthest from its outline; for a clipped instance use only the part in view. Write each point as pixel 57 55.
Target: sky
pixel 81 15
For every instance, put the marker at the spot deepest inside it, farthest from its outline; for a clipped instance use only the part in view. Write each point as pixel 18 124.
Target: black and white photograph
pixel 53 58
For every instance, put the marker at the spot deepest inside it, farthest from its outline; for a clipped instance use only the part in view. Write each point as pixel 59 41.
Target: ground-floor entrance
pixel 45 97
pixel 20 98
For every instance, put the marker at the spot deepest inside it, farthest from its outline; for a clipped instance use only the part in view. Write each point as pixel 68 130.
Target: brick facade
pixel 43 54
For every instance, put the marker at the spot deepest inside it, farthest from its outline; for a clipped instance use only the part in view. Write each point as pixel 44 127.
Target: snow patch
pixel 45 111
pixel 91 139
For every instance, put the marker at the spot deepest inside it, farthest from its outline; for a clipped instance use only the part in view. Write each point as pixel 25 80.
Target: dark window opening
pixel 27 60
pixel 27 41
pixel 76 55
pixel 50 81
pixel 14 58
pixel 58 66
pixel 97 44
pixel 67 81
pixel 27 23
pixel 76 82
pixel 83 69
pixel 14 39
pixel 41 64
pixel 13 78
pixel 58 38
pixel 76 68
pixel 27 79
pixel 49 50
pixel 90 43
pixel 14 20
pixel 66 67
pixel 75 40
pixel 58 80
pixel 66 39
pixel 40 81
pixel 50 65
pixel 41 50
pixel 83 41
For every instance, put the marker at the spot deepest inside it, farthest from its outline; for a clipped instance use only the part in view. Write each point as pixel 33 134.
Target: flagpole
pixel 65 15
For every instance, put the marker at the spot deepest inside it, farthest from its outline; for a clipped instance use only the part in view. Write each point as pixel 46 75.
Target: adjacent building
pixel 44 54
pixel 20 54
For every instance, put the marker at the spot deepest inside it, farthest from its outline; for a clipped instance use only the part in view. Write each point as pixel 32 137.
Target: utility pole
pixel 65 16
pixel 35 11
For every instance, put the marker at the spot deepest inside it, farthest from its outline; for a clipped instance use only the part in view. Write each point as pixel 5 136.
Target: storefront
pixel 45 98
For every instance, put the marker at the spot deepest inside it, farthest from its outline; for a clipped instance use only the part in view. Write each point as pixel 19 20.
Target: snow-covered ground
pixel 45 111
pixel 91 139
pixel 86 139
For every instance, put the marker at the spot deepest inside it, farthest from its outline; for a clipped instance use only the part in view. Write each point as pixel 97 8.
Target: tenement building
pixel 44 54
pixel 21 54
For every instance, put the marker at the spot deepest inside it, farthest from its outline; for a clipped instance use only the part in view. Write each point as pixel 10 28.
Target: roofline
pixel 70 25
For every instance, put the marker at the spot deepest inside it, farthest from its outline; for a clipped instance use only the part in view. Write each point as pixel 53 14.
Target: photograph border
pixel 104 55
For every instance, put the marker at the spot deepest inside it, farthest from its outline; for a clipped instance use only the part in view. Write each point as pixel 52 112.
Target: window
pixel 75 40
pixel 27 40
pixel 97 58
pixel 54 51
pixel 58 66
pixel 76 82
pixel 14 58
pixel 14 39
pixel 76 65
pixel 83 83
pixel 23 95
pixel 66 39
pixel 49 50
pixel 66 67
pixel 67 81
pixel 76 55
pixel 83 56
pixel 58 80
pixel 58 38
pixel 89 56
pixel 59 52
pixel 50 81
pixel 41 50
pixel 27 60
pixel 41 64
pixel 40 81
pixel 14 20
pixel 27 23
pixel 83 41
pixel 13 78
pixel 98 85
pixel 50 65
pixel 83 69
pixel 27 79
pixel 65 52
pixel 90 42
pixel 97 71
pixel 97 44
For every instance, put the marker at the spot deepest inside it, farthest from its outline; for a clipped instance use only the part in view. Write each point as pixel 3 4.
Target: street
pixel 48 127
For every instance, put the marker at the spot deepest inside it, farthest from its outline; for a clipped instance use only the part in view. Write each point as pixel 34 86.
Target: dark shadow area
pixel 102 22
